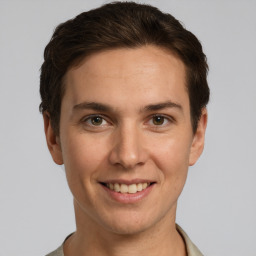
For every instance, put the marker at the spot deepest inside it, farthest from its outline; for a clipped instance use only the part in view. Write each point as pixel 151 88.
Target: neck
pixel 161 239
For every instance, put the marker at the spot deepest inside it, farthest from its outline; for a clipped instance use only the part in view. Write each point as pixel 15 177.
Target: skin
pixel 145 133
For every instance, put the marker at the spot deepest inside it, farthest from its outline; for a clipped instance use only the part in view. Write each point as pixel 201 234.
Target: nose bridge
pixel 127 148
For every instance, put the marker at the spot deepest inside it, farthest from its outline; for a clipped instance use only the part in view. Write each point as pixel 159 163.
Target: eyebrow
pixel 106 108
pixel 162 105
pixel 93 106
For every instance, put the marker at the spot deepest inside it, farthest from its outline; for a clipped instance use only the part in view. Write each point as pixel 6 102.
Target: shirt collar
pixel 192 250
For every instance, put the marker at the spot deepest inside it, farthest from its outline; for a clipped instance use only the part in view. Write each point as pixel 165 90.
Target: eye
pixel 159 120
pixel 95 120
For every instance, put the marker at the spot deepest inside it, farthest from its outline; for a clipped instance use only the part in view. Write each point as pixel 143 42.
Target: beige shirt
pixel 192 250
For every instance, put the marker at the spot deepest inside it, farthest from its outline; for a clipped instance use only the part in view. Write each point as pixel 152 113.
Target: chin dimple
pixel 127 189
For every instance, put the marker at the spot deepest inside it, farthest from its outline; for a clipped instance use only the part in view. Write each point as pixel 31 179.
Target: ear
pixel 198 140
pixel 53 141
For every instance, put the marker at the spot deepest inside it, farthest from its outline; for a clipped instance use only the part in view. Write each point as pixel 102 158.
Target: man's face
pixel 125 125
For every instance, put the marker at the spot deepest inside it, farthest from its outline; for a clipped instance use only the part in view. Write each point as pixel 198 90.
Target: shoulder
pixel 57 252
pixel 192 250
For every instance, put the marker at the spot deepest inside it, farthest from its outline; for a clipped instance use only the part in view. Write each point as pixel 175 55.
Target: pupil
pixel 97 120
pixel 158 120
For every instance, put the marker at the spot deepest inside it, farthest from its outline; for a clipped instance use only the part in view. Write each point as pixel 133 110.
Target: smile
pixel 128 192
pixel 128 189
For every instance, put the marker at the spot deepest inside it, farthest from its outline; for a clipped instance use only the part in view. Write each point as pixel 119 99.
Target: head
pixel 124 92
pixel 120 25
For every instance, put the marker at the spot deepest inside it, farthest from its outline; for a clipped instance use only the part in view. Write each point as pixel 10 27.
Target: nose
pixel 128 149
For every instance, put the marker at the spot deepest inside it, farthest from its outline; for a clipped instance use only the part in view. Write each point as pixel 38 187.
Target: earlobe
pixel 52 140
pixel 198 140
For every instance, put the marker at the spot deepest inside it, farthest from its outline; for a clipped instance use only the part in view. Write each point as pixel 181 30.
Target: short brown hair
pixel 120 25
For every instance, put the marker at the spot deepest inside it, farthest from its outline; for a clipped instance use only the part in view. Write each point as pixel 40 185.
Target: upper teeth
pixel 131 189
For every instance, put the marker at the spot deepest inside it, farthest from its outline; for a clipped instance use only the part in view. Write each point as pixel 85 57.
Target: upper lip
pixel 127 182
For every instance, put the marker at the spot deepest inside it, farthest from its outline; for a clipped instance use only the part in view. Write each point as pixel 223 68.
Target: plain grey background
pixel 217 208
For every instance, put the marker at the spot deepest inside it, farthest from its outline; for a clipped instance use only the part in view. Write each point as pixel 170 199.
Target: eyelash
pixel 167 120
pixel 90 117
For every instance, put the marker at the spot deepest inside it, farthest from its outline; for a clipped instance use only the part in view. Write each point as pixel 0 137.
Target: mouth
pixel 127 188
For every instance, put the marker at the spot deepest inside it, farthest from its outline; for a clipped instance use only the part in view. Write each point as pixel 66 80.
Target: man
pixel 124 95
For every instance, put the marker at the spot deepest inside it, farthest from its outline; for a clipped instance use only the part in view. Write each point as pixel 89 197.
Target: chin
pixel 128 229
pixel 131 223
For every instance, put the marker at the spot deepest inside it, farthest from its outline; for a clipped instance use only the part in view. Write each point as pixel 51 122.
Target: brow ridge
pixel 162 105
pixel 106 108
pixel 92 105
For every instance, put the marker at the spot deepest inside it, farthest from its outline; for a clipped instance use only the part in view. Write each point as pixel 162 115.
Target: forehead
pixel 147 74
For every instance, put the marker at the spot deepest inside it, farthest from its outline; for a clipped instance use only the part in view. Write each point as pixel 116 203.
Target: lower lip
pixel 127 198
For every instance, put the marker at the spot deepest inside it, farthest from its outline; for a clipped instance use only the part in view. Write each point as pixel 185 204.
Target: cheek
pixel 82 157
pixel 172 158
